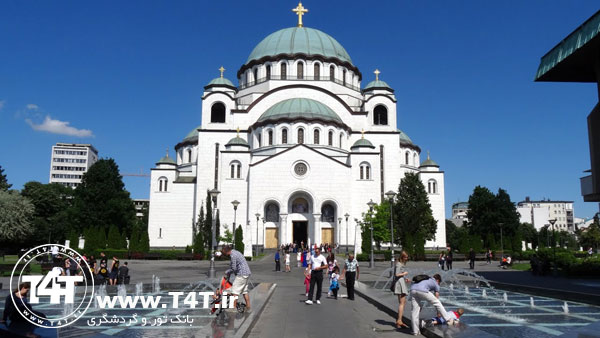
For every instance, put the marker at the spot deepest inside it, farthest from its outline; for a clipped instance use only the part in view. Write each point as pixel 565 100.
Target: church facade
pixel 299 143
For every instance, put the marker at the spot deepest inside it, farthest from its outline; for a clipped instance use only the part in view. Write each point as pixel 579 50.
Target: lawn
pixel 521 266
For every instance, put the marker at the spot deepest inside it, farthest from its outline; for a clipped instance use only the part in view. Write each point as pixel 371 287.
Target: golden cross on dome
pixel 428 154
pixel 222 70
pixel 363 133
pixel 377 72
pixel 300 10
pixel 167 152
pixel 238 131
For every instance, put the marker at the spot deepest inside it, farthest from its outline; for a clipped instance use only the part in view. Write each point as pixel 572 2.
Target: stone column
pixel 316 229
pixel 283 229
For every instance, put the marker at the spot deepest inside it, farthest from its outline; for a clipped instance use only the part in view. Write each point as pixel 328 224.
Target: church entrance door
pixel 300 232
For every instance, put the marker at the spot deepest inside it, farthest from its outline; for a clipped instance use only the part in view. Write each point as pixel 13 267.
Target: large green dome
pixel 299 40
pixel 300 108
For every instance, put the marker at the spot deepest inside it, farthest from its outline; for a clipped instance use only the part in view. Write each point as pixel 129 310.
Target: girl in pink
pixel 307 280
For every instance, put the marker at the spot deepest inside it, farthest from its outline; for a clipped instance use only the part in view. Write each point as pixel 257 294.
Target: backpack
pixel 420 278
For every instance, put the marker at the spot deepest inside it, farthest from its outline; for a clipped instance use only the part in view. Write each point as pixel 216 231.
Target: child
pixel 287 262
pixel 439 320
pixel 307 280
pixel 335 276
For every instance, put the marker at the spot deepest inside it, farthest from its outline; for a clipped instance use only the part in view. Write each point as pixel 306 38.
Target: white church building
pixel 299 143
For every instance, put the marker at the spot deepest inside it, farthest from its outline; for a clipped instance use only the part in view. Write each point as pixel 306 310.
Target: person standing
pixel 488 256
pixel 427 290
pixel 351 272
pixel 472 259
pixel 277 259
pixel 240 268
pixel 317 264
pixel 287 262
pixel 442 260
pixel 298 257
pixel 449 259
pixel 400 288
pixel 331 264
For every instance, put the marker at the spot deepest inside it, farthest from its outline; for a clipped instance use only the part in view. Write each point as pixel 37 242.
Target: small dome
pixel 220 81
pixel 377 84
pixel 404 139
pixel 237 141
pixel 300 40
pixel 363 142
pixel 429 162
pixel 167 160
pixel 192 135
pixel 299 108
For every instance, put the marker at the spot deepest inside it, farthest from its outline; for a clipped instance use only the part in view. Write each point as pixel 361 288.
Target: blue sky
pixel 128 77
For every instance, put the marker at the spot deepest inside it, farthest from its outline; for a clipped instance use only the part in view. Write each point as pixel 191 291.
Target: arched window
pixel 300 205
pixel 380 115
pixel 406 158
pixel 283 71
pixel 328 213
pixel 255 75
pixel 344 77
pixel 341 138
pixel 300 70
pixel 259 139
pixel 331 72
pixel 270 137
pixel 365 171
pixel 415 160
pixel 300 136
pixel 316 136
pixel 217 113
pixel 432 186
pixel 189 153
pixel 330 138
pixel 284 136
pixel 268 72
pixel 235 170
pixel 162 184
pixel 272 212
pixel 317 71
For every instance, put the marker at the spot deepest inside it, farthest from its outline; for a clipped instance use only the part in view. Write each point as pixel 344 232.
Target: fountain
pixel 483 293
pixel 155 284
pixel 384 276
pixel 505 297
pixel 565 308
pixel 466 289
pixel 100 292
pixel 451 286
pixel 139 287
pixel 121 291
pixel 531 303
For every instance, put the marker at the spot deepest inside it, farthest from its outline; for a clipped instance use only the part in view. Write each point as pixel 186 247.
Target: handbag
pixel 394 281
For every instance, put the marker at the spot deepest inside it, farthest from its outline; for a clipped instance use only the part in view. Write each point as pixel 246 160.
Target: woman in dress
pixel 400 288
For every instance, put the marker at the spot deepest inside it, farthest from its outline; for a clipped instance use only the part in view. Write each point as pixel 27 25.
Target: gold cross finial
pixel 428 154
pixel 222 70
pixel 300 10
pixel 363 133
pixel 377 72
pixel 167 152
pixel 238 131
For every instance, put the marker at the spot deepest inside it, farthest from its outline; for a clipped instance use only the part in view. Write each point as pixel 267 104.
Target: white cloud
pixel 32 106
pixel 59 127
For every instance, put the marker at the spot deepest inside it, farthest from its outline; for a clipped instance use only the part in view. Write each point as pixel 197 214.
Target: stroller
pixel 218 298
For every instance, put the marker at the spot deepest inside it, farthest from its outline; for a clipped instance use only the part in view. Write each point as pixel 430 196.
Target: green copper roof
pixel 404 138
pixel 429 162
pixel 237 141
pixel 297 40
pixel 363 142
pixel 580 66
pixel 221 81
pixel 377 84
pixel 192 134
pixel 300 108
pixel 166 160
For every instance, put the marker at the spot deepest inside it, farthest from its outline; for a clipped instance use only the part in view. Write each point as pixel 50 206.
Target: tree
pixel 217 229
pixel 144 242
pixel 228 237
pixel 199 244
pixel 207 226
pixel 101 199
pixel 74 239
pixel 451 234
pixel 590 237
pixel 4 186
pixel 239 239
pixel 415 222
pixel 529 234
pixel 16 215
pixel 134 239
pixel 52 214
pixel 115 240
pixel 381 223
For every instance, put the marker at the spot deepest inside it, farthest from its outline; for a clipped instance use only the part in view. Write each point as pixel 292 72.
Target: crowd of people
pixel 98 270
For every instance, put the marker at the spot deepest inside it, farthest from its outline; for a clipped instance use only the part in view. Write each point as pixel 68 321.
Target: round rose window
pixel 300 169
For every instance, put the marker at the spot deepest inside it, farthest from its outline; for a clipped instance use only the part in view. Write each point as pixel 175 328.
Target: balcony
pixel 587 189
pixel 297 78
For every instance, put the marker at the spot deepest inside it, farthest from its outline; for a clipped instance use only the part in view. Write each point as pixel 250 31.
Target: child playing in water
pixel 307 280
pixel 439 320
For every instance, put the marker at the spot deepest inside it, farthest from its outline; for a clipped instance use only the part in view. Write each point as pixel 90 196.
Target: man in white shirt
pixel 317 264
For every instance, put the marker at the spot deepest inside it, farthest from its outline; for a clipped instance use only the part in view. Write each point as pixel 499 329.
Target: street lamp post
pixel 337 250
pixel 263 232
pixel 371 204
pixel 257 218
pixel 356 224
pixel 552 221
pixel 390 195
pixel 235 204
pixel 211 270
pixel 346 215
